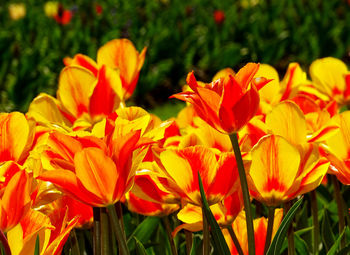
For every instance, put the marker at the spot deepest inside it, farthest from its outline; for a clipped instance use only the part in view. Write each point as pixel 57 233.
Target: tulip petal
pixel 16 199
pixel 84 61
pixel 97 173
pixel 287 120
pixel 67 181
pixel 107 93
pixel 328 75
pixel 75 87
pixel 246 74
pixel 14 136
pixel 274 167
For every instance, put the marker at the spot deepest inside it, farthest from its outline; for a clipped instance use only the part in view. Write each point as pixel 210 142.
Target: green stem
pixel 270 220
pixel 339 201
pixel 119 210
pixel 105 242
pixel 118 230
pixel 5 243
pixel 206 238
pixel 314 212
pixel 97 231
pixel 245 191
pixel 290 232
pixel 235 240
pixel 189 240
pixel 170 237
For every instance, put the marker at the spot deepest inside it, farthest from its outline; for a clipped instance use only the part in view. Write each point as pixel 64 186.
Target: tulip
pixel 52 230
pixel 219 17
pixel 88 170
pixel 121 54
pixel 331 77
pixel 219 173
pixel 226 104
pixel 280 171
pixel 260 231
pixel 17 11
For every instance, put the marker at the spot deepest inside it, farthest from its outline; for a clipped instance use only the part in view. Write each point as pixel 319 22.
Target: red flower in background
pixel 63 16
pixel 219 16
pixel 98 9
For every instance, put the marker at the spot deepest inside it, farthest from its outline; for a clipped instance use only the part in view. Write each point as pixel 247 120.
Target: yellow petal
pixel 328 75
pixel 270 90
pixel 178 168
pixel 287 120
pixel 274 167
pixel 75 87
pixel 15 134
pixel 44 109
pixel 190 214
pixel 339 143
pixel 223 73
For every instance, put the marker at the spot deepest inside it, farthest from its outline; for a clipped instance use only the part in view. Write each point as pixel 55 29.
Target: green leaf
pixel 281 233
pixel 144 231
pixel 326 232
pixel 140 249
pixel 219 242
pixel 303 231
pixel 37 246
pixel 334 248
pixel 300 245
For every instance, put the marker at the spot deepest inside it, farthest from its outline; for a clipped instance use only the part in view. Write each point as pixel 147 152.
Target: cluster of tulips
pixel 246 137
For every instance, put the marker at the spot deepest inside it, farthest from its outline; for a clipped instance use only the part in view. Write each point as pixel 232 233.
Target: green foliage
pixel 181 36
pixel 281 233
pixel 219 243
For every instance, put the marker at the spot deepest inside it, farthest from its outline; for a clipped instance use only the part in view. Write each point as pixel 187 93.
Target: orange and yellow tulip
pixel 332 78
pixel 88 170
pixel 52 230
pixel 260 231
pixel 218 172
pixel 81 93
pixel 280 171
pixel 226 104
pixel 225 212
pixel 121 54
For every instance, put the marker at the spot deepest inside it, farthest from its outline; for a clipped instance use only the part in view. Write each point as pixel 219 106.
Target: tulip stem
pixel 290 232
pixel 74 243
pixel 270 220
pixel 170 237
pixel 189 240
pixel 118 230
pixel 206 238
pixel 5 243
pixel 235 240
pixel 119 209
pixel 339 201
pixel 314 212
pixel 245 191
pixel 105 242
pixel 97 231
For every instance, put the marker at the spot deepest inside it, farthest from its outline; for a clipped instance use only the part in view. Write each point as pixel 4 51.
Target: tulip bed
pixel 251 165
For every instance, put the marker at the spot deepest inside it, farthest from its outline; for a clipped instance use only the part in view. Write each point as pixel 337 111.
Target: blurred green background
pixel 181 35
